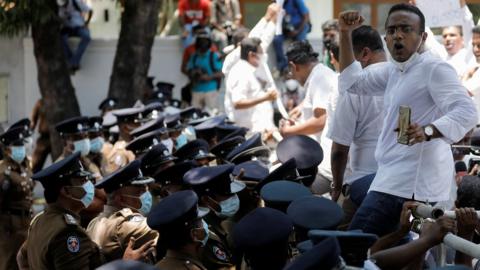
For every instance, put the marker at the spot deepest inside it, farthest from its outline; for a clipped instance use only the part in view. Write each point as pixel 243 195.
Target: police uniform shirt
pixel 56 241
pixel 112 229
pixel 16 187
pixel 118 157
pixel 179 261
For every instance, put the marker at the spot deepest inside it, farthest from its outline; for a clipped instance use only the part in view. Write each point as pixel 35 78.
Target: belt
pixel 16 212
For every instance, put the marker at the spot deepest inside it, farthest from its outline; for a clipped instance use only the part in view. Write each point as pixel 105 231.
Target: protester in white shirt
pixel 355 128
pixel 265 31
pixel 251 98
pixel 441 113
pixel 471 80
pixel 320 83
pixel 457 39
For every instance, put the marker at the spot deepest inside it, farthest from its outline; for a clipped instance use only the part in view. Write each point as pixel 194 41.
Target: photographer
pixel 296 26
pixel 205 72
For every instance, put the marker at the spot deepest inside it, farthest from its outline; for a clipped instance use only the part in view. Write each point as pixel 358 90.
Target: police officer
pixel 55 239
pixel 196 150
pixel 107 105
pixel 217 190
pixel 128 200
pixel 263 237
pixel 74 132
pixel 98 147
pixel 183 231
pixel 127 120
pixel 16 189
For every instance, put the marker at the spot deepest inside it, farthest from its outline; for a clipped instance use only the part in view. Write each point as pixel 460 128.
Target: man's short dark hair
pixel 408 8
pixel 301 52
pixel 249 45
pixel 476 29
pixel 366 36
pixel 330 25
pixel 468 192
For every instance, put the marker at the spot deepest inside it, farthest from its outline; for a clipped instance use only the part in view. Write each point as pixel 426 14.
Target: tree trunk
pixel 53 78
pixel 128 81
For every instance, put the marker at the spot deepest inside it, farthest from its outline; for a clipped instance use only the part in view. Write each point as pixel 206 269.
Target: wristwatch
pixel 428 130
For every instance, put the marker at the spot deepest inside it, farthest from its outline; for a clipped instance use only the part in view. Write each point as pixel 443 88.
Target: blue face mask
pixel 181 141
pixel 229 207
pixel 18 153
pixel 169 144
pixel 89 189
pixel 96 144
pixel 146 200
pixel 82 146
pixel 204 241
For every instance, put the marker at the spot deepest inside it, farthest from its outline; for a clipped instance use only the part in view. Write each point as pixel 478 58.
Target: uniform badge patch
pixel 73 244
pixel 219 253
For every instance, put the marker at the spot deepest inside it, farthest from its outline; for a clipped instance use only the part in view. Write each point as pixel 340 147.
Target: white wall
pixel 91 82
pixel 320 11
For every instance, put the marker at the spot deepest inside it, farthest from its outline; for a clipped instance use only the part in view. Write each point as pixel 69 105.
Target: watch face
pixel 428 131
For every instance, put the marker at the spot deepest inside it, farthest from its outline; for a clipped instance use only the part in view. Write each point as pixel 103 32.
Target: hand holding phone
pixel 404 115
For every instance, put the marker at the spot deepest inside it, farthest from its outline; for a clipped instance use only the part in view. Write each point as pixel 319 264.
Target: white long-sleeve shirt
pixel 243 84
pixel 430 87
pixel 357 123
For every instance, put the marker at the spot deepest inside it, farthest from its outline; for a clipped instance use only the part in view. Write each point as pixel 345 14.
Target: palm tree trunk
pixel 128 81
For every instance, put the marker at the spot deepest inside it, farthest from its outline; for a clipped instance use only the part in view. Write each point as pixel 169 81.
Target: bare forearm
pixel 339 158
pixel 311 126
pixel 248 103
pixel 401 256
pixel 387 241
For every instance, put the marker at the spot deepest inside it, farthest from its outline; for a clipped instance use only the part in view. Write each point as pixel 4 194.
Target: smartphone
pixel 404 114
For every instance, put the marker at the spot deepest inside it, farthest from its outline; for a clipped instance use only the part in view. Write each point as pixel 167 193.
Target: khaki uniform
pixel 217 252
pixel 56 241
pixel 112 230
pixel 16 189
pixel 177 261
pixel 118 157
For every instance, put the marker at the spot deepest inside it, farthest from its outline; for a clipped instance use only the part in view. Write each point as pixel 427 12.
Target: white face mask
pixel 402 65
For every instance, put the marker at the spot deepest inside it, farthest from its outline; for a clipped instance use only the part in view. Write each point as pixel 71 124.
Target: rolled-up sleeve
pixel 458 109
pixel 370 81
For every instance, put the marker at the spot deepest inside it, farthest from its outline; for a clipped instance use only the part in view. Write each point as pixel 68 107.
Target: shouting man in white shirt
pixel 355 128
pixel 441 113
pixel 249 95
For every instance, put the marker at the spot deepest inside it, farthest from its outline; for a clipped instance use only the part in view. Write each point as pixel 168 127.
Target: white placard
pixel 440 13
